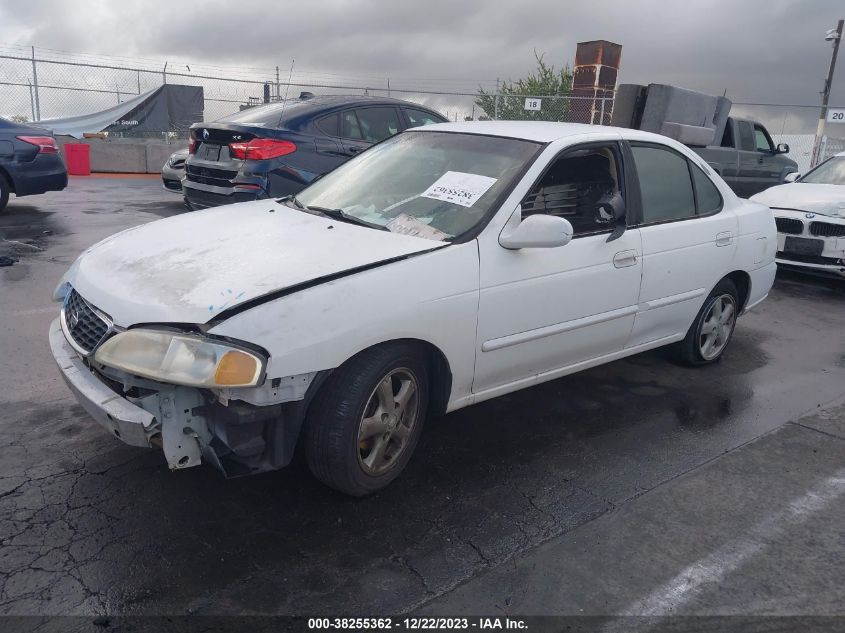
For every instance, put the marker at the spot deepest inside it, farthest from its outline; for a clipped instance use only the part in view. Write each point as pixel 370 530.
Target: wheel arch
pixel 8 177
pixel 439 370
pixel 742 281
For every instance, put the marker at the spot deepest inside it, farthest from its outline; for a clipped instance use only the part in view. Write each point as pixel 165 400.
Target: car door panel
pixel 682 258
pixel 541 309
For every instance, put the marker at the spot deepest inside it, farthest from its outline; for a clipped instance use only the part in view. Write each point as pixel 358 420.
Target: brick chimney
pixel 594 76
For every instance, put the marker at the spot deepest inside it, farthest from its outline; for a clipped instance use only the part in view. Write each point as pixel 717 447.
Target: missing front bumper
pixel 187 423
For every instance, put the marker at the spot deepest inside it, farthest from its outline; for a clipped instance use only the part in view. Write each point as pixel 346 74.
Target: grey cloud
pixel 758 51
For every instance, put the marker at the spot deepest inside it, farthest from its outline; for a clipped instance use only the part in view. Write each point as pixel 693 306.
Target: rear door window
pixel 665 184
pixel 349 127
pixel 707 197
pixel 378 123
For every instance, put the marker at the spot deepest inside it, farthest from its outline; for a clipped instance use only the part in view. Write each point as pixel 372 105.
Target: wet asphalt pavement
pixel 88 525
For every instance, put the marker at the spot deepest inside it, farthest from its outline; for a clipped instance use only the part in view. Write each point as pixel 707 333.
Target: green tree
pixel 546 81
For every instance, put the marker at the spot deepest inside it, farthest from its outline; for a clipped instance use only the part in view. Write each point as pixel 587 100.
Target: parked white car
pixel 810 216
pixel 445 266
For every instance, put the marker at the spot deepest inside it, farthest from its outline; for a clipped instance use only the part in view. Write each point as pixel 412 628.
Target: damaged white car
pixel 445 266
pixel 810 216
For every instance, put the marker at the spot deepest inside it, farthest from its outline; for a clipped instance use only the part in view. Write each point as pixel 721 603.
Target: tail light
pixel 261 149
pixel 192 145
pixel 45 144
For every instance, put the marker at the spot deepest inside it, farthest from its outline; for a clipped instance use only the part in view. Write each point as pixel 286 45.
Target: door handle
pixel 623 259
pixel 760 160
pixel 725 238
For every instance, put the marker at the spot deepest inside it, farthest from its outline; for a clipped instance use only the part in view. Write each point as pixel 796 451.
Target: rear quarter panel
pixel 756 247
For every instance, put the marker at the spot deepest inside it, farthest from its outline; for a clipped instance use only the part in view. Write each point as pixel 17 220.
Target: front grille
pixel 789 225
pixel 85 326
pixel 827 229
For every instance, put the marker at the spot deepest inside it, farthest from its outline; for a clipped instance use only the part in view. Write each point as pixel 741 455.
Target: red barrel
pixel 78 156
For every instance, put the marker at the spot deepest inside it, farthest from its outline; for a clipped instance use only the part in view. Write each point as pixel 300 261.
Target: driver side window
pixel 575 186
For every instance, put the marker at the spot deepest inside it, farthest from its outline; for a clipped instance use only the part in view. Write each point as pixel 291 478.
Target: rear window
pixel 417 118
pixel 264 115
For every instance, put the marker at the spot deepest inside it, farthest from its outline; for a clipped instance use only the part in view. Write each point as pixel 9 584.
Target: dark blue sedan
pixel 278 149
pixel 29 161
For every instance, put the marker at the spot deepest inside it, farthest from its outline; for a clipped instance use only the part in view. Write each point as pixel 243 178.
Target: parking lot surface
pixel 622 454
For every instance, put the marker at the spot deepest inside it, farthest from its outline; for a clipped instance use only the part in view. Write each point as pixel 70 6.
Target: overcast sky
pixel 756 50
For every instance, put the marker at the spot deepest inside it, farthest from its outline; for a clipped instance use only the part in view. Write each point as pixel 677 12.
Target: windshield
pixel 830 172
pixel 436 185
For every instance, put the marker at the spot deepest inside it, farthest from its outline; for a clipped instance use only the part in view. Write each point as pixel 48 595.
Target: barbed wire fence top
pixel 41 83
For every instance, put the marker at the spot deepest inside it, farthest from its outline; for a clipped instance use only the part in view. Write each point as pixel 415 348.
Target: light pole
pixel 835 36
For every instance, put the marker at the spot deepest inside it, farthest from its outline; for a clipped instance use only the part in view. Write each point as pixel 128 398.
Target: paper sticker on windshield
pixel 407 225
pixel 459 188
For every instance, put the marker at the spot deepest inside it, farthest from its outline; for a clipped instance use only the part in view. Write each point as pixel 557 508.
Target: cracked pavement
pixel 91 526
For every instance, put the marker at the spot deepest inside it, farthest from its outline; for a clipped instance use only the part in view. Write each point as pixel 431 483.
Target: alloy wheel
pixel 389 417
pixel 717 326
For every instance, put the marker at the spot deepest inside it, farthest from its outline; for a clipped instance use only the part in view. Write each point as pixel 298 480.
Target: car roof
pixel 296 110
pixel 540 131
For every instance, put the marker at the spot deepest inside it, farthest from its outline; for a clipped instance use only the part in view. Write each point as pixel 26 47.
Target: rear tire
pixel 713 327
pixel 366 420
pixel 4 192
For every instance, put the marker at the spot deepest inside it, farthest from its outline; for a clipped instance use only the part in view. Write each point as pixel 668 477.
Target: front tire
pixel 709 335
pixel 366 420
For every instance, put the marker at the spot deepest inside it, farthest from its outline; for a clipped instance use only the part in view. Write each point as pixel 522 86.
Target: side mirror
pixel 791 176
pixel 536 231
pixel 782 148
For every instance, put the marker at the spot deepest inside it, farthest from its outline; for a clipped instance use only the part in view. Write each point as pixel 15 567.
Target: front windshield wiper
pixel 293 200
pixel 343 216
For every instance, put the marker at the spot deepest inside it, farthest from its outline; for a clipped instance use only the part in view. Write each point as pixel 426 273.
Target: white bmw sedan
pixel 445 266
pixel 810 216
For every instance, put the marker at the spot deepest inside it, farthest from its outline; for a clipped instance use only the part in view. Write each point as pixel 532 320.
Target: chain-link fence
pixel 38 84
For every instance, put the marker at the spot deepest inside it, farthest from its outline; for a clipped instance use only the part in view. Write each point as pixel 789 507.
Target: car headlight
pixel 181 359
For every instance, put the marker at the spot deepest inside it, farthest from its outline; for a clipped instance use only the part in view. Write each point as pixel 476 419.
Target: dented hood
pixel 188 268
pixel 811 197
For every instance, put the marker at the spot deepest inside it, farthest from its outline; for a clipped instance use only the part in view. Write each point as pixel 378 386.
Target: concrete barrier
pixel 157 154
pixel 126 156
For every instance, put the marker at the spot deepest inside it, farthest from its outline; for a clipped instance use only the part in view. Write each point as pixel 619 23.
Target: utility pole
pixel 164 74
pixel 31 100
pixel 278 86
pixel 35 83
pixel 834 35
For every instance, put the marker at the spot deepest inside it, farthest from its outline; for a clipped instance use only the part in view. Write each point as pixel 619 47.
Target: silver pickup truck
pixel 741 151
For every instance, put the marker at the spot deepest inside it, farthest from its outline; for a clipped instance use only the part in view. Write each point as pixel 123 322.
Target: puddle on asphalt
pixel 24 231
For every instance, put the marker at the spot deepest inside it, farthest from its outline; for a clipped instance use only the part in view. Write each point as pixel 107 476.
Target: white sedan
pixel 445 266
pixel 810 216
